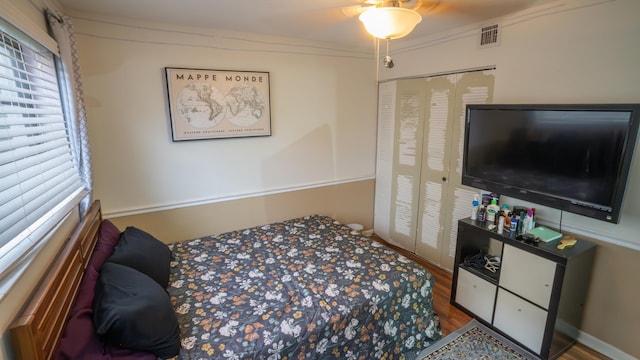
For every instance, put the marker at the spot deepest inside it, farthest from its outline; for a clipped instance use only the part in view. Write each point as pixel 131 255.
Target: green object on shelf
pixel 545 234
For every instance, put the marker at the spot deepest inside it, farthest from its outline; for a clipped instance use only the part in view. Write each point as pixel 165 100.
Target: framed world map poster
pixel 213 104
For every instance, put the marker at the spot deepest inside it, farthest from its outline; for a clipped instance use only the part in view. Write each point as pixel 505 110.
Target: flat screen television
pixel 574 158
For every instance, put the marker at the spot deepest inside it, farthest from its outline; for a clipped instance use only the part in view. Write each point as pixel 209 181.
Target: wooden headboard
pixel 37 331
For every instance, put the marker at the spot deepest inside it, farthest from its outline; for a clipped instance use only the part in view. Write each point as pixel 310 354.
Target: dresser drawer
pixel 475 294
pixel 527 275
pixel 521 319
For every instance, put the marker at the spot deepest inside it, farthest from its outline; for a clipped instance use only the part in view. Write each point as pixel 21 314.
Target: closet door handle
pixel 444 179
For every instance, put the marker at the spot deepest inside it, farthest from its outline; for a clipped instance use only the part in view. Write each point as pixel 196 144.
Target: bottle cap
pixel 474 203
pixel 494 202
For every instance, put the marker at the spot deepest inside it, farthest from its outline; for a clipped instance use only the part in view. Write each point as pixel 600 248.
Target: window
pixel 39 182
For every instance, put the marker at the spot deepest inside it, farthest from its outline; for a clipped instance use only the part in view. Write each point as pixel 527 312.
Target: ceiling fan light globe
pixel 390 22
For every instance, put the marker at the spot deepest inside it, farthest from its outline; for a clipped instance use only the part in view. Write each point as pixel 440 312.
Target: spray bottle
pixel 474 209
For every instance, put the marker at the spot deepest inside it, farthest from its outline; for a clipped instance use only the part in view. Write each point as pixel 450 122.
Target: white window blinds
pixel 39 181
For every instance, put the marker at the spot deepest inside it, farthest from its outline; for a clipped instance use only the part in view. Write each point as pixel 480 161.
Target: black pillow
pixel 141 251
pixel 131 310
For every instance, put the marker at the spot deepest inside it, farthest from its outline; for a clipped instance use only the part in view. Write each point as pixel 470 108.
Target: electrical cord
pixel 560 225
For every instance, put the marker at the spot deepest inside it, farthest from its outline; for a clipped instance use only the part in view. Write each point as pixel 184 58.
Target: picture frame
pixel 216 104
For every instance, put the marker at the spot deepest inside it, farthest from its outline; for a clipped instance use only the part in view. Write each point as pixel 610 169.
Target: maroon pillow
pixel 79 340
pixel 107 241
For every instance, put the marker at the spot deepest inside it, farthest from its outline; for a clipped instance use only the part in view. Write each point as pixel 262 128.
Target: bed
pixel 305 288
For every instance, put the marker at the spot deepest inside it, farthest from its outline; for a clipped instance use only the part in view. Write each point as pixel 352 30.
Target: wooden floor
pixel 451 318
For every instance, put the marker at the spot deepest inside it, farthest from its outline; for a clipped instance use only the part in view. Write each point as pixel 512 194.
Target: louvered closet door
pixel 405 187
pixel 398 163
pixel 384 158
pixel 442 198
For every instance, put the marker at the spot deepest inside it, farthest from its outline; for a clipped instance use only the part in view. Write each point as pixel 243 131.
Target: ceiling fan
pixel 392 19
pixel 386 19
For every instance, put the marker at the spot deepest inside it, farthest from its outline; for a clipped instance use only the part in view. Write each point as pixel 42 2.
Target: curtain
pixel 72 96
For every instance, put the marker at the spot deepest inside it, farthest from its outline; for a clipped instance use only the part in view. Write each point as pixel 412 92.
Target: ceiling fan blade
pixel 354 10
pixel 421 6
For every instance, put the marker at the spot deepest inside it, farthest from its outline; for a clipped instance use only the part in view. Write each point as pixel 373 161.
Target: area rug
pixel 474 341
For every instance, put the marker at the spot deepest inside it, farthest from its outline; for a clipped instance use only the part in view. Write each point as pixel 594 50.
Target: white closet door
pixel 419 196
pixel 443 199
pixel 400 122
pixel 440 100
pixel 407 152
pixel 384 158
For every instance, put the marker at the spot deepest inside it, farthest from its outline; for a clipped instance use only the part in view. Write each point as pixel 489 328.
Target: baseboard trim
pixel 602 347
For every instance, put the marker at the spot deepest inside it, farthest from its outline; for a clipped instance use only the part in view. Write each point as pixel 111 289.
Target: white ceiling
pixel 331 21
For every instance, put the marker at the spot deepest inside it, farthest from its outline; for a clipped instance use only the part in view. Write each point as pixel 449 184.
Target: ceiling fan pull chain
pixel 388 61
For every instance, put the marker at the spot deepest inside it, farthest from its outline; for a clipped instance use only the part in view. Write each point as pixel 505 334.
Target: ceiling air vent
pixel 489 35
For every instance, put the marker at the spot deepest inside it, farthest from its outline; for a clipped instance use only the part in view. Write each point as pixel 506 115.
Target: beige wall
pixel 612 311
pixel 323 116
pixel 565 52
pixel 349 203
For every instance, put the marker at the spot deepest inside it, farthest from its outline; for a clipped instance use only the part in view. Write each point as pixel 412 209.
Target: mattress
pixel 305 288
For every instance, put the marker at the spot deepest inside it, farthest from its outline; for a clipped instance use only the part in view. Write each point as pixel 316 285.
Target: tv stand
pixel 535 297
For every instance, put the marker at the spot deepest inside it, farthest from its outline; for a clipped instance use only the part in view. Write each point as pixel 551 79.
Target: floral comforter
pixel 307 288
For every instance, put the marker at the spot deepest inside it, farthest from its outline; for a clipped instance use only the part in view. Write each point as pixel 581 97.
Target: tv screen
pixel 571 157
